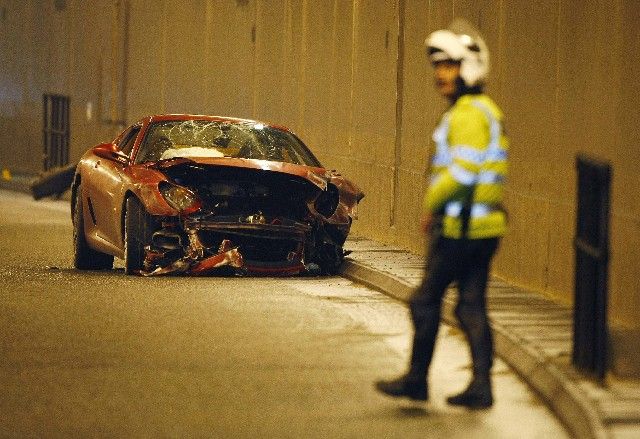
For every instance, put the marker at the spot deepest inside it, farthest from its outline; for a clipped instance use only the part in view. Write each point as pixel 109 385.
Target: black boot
pixel 405 386
pixel 477 396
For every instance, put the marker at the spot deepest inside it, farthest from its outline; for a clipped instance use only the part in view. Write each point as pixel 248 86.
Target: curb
pixel 562 395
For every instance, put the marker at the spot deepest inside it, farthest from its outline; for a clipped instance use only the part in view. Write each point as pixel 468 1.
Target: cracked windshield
pixel 204 138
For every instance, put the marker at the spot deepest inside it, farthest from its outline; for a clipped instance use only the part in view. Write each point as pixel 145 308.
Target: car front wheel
pixel 138 230
pixel 84 257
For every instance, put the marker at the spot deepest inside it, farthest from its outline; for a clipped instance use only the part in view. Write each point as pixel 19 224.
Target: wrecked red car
pixel 200 194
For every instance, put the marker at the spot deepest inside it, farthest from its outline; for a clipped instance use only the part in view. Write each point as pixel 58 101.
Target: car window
pixel 128 140
pixel 202 138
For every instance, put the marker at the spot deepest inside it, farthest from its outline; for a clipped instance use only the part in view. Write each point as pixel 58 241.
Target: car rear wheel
pixel 138 230
pixel 84 257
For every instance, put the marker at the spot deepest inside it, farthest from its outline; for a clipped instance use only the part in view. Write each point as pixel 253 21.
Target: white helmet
pixel 461 42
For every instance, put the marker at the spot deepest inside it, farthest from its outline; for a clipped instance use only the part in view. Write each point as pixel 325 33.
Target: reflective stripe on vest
pixel 443 156
pixel 493 153
pixel 454 209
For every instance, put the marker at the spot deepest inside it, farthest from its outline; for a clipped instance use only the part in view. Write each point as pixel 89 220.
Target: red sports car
pixel 195 194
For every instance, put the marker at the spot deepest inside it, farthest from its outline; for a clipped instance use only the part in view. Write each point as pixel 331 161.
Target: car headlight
pixel 180 198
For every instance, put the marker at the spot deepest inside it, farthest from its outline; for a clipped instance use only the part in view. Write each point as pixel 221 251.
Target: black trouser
pixel 468 263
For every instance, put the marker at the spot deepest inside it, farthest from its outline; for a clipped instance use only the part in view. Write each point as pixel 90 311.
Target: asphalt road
pixel 101 354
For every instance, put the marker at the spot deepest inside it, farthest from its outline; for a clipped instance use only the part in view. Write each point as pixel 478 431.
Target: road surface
pixel 101 354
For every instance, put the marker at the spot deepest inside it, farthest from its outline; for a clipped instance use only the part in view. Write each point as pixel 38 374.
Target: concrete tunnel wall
pixel 351 79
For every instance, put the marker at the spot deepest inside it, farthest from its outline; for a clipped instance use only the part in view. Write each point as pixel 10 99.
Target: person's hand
pixel 426 222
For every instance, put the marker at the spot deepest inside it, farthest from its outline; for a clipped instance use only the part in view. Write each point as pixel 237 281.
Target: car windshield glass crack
pixel 205 138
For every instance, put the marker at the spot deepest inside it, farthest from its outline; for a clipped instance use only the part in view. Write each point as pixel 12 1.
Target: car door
pixel 107 188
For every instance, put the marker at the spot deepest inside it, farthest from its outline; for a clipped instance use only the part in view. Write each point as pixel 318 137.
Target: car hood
pixel 317 176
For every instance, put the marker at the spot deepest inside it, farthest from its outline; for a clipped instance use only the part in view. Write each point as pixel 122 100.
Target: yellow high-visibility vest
pixel 471 154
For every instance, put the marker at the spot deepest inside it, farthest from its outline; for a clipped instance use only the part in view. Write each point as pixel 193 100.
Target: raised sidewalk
pixel 531 333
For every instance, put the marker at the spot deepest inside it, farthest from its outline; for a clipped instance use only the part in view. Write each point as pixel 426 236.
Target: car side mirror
pixel 109 151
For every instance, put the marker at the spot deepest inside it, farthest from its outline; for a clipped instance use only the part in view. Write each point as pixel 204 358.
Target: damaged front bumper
pixel 243 245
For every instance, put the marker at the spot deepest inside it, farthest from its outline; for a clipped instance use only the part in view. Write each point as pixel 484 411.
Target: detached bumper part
pixel 231 257
pixel 196 251
pixel 194 262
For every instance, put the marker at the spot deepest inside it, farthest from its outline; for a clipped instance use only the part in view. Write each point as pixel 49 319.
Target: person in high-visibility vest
pixel 463 213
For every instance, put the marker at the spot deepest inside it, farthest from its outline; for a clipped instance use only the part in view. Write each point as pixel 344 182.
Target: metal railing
pixel 590 328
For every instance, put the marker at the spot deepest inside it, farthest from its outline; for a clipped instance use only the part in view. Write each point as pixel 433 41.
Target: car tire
pixel 84 257
pixel 332 258
pixel 138 230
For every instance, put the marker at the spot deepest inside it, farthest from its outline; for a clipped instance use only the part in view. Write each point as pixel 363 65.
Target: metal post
pixel 590 348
